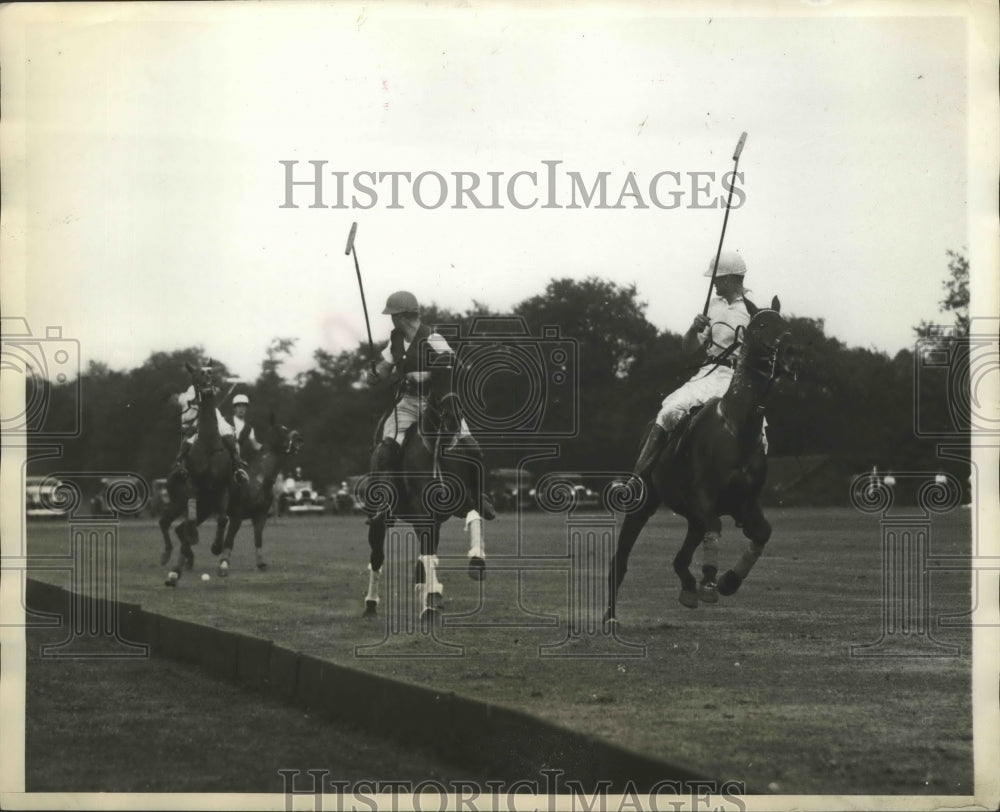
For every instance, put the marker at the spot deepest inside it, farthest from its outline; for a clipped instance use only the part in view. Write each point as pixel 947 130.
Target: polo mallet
pixel 351 250
pixel 718 253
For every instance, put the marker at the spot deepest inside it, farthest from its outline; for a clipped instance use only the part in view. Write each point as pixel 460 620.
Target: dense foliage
pixel 859 406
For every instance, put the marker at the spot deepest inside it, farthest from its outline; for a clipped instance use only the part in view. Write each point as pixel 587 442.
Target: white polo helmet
pixel 241 399
pixel 730 264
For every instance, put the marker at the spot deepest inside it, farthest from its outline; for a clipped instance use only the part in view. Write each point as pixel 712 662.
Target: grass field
pixel 760 688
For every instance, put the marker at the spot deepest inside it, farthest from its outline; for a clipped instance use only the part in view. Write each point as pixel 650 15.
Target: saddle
pixel 680 438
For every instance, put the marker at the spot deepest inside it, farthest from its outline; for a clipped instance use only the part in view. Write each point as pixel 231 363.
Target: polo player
pixel 717 336
pixel 188 401
pixel 245 437
pixel 412 347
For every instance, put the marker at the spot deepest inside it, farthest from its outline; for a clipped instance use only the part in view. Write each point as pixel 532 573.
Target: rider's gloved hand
pixel 700 323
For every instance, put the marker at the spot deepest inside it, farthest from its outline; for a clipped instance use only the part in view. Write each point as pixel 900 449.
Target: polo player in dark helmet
pixel 412 347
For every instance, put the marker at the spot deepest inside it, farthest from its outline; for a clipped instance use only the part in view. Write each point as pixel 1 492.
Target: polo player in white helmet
pixel 405 355
pixel 244 431
pixel 717 335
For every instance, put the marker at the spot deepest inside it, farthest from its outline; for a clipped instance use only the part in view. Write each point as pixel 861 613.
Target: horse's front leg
pixel 429 588
pixel 477 545
pixel 758 530
pixel 631 527
pixel 376 558
pixel 698 530
pixel 232 527
pixel 221 523
pixel 166 520
pixel 259 520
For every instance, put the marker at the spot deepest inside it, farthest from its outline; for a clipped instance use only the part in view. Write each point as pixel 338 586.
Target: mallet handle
pixel 357 268
pixel 725 220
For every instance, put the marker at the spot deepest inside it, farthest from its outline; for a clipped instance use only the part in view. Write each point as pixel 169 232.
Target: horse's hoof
pixel 430 618
pixel 223 568
pixel 689 598
pixel 610 621
pixel 477 568
pixel 172 578
pixel 216 548
pixel 729 583
pixel 371 609
pixel 189 563
pixel 262 565
pixel 708 593
pixel 435 601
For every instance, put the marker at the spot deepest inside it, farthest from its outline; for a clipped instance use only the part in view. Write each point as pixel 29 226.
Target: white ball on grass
pixel 205 576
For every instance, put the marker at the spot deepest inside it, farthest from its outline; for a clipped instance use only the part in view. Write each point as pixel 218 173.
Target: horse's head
pixel 203 379
pixel 283 440
pixel 766 342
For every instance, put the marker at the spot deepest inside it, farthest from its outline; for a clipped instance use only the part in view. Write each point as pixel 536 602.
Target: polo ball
pixel 205 576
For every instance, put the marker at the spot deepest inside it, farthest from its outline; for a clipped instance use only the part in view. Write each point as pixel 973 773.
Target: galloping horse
pixel 206 489
pixel 714 465
pixel 441 476
pixel 254 501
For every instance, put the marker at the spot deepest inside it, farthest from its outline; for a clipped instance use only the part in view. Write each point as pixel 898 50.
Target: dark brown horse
pixel 441 476
pixel 205 490
pixel 714 465
pixel 254 501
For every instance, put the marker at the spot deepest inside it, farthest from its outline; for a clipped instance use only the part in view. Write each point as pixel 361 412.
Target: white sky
pixel 153 135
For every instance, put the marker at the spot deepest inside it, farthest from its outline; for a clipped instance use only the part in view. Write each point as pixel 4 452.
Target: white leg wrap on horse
pixel 748 559
pixel 474 524
pixel 431 582
pixel 710 550
pixel 374 576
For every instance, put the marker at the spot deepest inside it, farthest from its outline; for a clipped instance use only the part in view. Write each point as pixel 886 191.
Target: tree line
pixel 857 405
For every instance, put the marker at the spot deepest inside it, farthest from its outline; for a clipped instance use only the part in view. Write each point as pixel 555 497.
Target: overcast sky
pixel 153 187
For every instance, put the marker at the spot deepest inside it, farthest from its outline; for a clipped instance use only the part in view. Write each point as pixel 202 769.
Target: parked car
pixel 583 496
pixel 343 499
pixel 509 488
pixel 40 498
pixel 99 502
pixel 300 497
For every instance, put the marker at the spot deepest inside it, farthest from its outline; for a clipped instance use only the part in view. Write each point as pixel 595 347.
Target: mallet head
pixel 739 147
pixel 350 238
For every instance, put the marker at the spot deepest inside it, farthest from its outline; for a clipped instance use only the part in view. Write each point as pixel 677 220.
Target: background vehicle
pixel 583 495
pixel 509 488
pixel 343 499
pixel 40 498
pixel 299 497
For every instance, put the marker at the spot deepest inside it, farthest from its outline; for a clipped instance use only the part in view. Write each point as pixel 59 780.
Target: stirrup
pixel 241 475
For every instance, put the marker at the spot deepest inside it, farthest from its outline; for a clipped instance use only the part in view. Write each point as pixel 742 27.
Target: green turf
pixel 760 688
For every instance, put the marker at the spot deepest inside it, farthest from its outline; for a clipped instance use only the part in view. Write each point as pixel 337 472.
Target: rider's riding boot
pixel 489 512
pixel 386 460
pixel 656 440
pixel 240 472
pixel 180 464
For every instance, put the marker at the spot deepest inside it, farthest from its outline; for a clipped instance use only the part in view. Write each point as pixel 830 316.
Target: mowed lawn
pixel 761 687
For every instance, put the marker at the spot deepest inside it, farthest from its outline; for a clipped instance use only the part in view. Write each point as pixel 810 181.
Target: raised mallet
pixel 351 250
pixel 718 253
